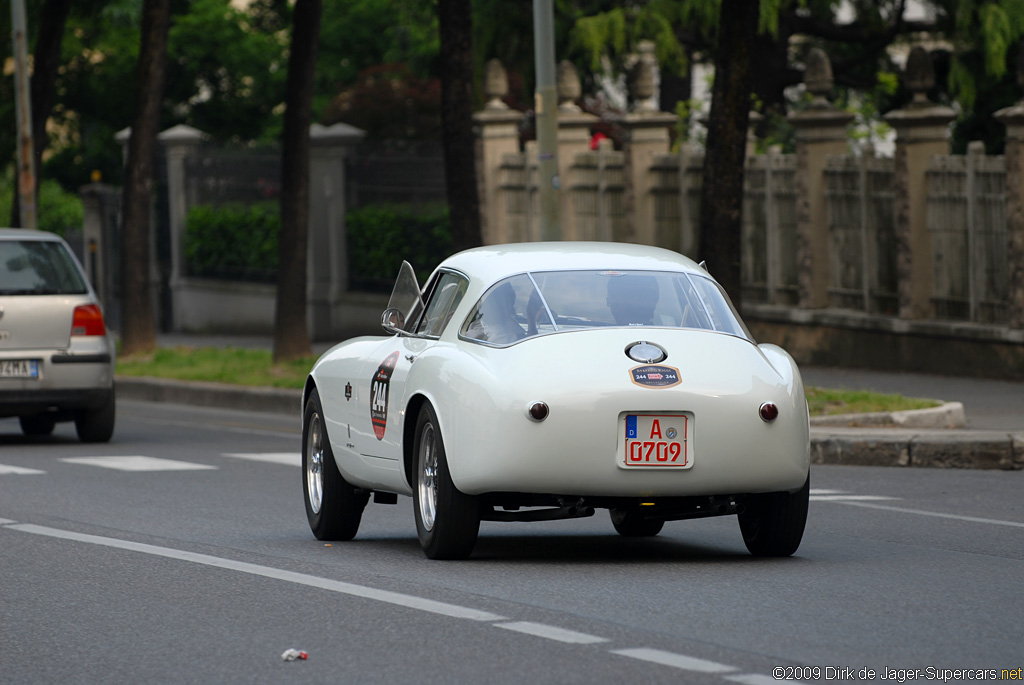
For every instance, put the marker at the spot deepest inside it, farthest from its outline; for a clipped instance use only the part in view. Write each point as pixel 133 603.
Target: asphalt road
pixel 199 567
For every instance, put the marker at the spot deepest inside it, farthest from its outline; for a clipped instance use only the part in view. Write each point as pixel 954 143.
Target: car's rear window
pixel 555 301
pixel 38 267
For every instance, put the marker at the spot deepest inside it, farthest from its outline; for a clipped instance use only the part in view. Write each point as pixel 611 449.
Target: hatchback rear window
pixel 38 267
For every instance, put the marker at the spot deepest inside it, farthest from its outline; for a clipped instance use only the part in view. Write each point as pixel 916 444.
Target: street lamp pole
pixel 546 108
pixel 23 104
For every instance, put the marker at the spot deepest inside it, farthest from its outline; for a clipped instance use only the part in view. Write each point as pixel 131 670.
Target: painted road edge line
pixel 956 517
pixel 396 598
pixel 551 632
pixel 681 661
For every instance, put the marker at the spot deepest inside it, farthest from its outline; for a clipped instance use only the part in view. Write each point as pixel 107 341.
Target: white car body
pixel 482 392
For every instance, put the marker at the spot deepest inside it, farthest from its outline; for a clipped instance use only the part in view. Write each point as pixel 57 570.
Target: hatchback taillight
pixel 88 320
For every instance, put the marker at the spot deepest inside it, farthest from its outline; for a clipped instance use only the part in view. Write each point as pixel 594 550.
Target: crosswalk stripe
pixel 286 458
pixel 138 463
pixel 18 470
pixel 849 498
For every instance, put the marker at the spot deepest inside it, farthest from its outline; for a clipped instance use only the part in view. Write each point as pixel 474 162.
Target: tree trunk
pixel 721 205
pixel 138 332
pixel 45 61
pixel 291 336
pixel 456 29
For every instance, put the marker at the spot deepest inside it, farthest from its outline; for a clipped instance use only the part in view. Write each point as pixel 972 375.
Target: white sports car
pixel 540 381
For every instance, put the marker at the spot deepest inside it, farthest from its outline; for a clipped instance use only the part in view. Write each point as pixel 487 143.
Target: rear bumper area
pixel 29 402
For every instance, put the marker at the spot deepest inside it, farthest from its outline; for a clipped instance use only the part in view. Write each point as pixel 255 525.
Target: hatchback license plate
pixel 19 368
pixel 658 440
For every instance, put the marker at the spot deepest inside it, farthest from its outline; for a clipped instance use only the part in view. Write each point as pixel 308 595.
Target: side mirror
pixel 393 321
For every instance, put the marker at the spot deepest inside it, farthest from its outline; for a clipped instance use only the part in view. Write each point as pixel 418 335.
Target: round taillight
pixel 768 412
pixel 538 411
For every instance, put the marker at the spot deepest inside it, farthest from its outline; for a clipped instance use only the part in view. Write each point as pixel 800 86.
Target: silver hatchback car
pixel 56 357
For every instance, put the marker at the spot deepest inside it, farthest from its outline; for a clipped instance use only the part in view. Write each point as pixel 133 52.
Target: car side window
pixel 509 311
pixel 444 299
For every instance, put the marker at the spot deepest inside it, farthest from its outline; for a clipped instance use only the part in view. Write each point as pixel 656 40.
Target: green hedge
pixel 58 210
pixel 381 236
pixel 233 242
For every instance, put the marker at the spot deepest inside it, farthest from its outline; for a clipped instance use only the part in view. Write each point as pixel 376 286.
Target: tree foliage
pixel 226 69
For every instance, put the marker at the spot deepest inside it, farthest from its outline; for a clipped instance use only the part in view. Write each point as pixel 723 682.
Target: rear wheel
pixel 333 507
pixel 97 425
pixel 40 424
pixel 631 524
pixel 773 523
pixel 447 521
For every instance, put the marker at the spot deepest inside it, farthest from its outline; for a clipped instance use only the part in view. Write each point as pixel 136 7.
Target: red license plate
pixel 658 440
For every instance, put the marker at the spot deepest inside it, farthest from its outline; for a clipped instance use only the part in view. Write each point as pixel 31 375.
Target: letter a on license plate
pixel 657 440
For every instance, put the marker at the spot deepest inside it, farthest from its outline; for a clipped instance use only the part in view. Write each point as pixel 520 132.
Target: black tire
pixel 40 424
pixel 97 425
pixel 630 523
pixel 447 521
pixel 334 508
pixel 773 524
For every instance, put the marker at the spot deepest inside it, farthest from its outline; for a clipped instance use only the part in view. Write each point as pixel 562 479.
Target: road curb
pixel 947 415
pixel 202 394
pixel 902 447
pixel 892 443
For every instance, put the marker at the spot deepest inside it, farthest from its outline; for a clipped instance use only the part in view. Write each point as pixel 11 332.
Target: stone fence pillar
pixel 101 206
pixel 922 131
pixel 497 135
pixel 820 132
pixel 178 143
pixel 573 138
pixel 646 136
pixel 327 275
pixel 1013 119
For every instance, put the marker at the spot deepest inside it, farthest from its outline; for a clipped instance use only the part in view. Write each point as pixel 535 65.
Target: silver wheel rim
pixel 315 465
pixel 428 477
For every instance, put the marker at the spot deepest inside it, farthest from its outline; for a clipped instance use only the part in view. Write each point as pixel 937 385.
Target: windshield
pixel 555 301
pixel 38 267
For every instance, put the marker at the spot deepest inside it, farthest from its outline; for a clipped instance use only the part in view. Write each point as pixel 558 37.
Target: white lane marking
pixel 18 471
pixel 849 498
pixel 5 522
pixel 407 601
pixel 816 491
pixel 551 632
pixel 286 458
pixel 755 679
pixel 680 661
pixel 958 517
pixel 135 463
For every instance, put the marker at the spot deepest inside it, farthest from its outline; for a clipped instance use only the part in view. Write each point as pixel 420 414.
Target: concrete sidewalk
pixel 993 412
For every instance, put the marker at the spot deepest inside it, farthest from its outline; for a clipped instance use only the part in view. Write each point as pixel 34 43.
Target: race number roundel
pixel 379 388
pixel 655 376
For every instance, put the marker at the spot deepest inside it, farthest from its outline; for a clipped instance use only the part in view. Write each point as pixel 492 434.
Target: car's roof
pixel 26 234
pixel 494 262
